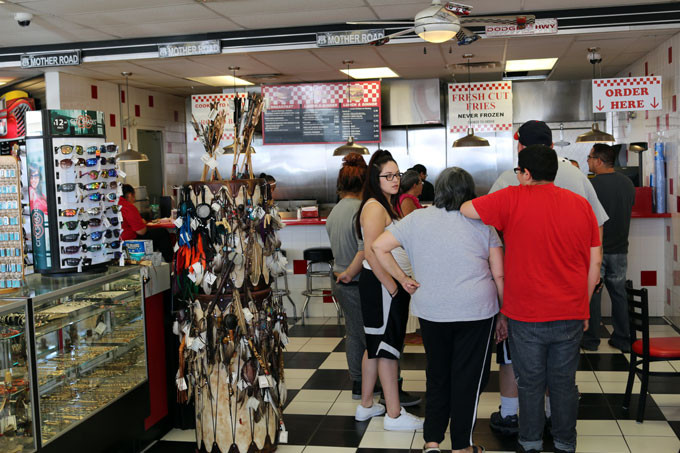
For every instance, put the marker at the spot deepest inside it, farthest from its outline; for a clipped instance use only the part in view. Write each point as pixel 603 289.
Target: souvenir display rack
pixel 83 339
pixel 11 234
pixel 232 329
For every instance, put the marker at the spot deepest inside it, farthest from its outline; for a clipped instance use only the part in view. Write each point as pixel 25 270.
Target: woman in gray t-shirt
pixel 457 285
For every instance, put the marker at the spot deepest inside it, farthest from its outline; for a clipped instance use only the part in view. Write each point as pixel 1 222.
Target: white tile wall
pixel 653 251
pixel 76 93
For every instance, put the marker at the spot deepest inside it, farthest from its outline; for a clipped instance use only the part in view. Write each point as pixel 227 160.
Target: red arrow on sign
pixel 599 105
pixel 654 104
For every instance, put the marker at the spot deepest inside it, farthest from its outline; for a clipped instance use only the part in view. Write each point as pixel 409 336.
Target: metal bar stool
pixel 320 256
pixel 283 292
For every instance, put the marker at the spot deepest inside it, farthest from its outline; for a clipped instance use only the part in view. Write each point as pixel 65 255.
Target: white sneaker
pixel 364 413
pixel 405 422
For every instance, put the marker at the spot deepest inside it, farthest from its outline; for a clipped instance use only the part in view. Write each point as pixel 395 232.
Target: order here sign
pixel 627 93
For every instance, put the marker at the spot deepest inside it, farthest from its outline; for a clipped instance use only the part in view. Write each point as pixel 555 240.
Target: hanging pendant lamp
pixel 595 135
pixel 350 146
pixel 470 140
pixel 130 154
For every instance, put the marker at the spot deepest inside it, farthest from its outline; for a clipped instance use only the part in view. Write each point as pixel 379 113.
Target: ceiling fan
pixel 438 23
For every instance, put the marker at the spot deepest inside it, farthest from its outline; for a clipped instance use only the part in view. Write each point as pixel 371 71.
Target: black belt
pixel 352 283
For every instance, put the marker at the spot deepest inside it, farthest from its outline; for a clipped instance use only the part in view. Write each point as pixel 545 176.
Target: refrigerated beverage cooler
pixel 73 191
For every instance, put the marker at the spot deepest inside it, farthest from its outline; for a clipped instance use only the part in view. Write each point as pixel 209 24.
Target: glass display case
pixel 88 344
pixel 16 402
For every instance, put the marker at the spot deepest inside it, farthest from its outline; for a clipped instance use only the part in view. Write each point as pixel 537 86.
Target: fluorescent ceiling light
pixel 540 64
pixel 221 81
pixel 526 77
pixel 370 73
pixel 5 80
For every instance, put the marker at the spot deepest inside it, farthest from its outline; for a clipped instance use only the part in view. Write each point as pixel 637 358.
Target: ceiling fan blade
pixel 497 20
pixel 381 41
pixel 381 22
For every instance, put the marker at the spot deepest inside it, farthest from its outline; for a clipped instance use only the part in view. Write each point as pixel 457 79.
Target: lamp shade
pixel 470 140
pixel 595 135
pixel 638 147
pixel 350 147
pixel 130 155
pixel 434 27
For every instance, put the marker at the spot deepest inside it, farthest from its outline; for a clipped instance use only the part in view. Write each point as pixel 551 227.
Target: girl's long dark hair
pixel 372 187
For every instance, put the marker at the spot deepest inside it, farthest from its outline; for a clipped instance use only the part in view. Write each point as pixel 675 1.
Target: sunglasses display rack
pixel 11 234
pixel 232 329
pixel 73 191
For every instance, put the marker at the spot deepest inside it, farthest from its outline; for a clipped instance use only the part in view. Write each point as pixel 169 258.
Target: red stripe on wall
pixel 674 100
pixel 112 120
pixel 138 110
pixel 646 68
pixel 122 96
pixel 670 185
pixel 176 116
pixel 93 91
pixel 125 133
pixel 675 252
pixel 668 121
pixel 648 278
pixel 150 101
pixel 668 233
pixel 676 278
pixel 670 55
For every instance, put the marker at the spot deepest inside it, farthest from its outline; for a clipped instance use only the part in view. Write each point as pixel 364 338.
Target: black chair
pixel 645 350
pixel 319 256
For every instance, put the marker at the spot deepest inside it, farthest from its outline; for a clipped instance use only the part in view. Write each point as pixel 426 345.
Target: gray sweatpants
pixel 355 343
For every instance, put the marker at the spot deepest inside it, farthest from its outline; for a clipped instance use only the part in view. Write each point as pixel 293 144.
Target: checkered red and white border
pixel 196 98
pixel 627 81
pixel 319 93
pixel 482 128
pixel 488 86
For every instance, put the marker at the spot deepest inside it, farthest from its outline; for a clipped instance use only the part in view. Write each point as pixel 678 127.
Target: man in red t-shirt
pixel 552 264
pixel 134 226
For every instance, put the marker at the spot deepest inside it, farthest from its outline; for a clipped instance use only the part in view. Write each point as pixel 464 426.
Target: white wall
pixel 167 114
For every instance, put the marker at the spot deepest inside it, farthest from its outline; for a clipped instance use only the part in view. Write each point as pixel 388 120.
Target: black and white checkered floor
pixel 320 413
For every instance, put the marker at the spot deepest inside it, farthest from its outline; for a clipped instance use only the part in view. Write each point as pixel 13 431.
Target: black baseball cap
pixel 534 133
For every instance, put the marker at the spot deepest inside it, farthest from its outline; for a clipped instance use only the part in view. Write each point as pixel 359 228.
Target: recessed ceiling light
pixel 370 73
pixel 540 64
pixel 221 81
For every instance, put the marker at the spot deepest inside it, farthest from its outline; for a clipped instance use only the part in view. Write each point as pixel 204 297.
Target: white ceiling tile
pixel 215 24
pixel 275 7
pixel 304 17
pixel 363 56
pixel 294 61
pixel 65 7
pixel 178 13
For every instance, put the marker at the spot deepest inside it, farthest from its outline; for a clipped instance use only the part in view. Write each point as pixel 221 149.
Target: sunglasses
pixel 68 212
pixel 112 148
pixel 108 234
pixel 70 250
pixel 93 186
pixel 69 237
pixel 113 221
pixel 75 261
pixel 86 163
pixel 70 225
pixel 65 163
pixel 91 211
pixel 111 196
pixel 92 150
pixel 110 160
pixel 92 248
pixel 93 174
pixel 112 245
pixel 68 187
pixel 111 173
pixel 114 209
pixel 90 223
pixel 64 149
pixel 92 197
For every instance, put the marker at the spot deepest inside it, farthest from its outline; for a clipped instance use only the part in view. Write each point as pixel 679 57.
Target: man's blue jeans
pixel 546 355
pixel 613 272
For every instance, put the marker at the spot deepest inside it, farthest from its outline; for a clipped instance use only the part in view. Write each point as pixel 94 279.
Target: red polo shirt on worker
pixel 132 220
pixel 548 232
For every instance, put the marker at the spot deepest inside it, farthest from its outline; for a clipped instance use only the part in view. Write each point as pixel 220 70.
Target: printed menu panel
pixel 321 113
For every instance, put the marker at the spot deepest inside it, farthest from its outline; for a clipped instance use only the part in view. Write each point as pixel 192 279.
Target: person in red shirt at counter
pixel 552 264
pixel 135 227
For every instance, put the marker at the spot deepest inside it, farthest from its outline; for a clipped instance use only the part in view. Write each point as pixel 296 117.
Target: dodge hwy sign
pixel 628 93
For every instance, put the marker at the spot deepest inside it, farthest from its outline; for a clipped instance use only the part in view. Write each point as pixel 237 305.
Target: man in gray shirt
pixel 568 177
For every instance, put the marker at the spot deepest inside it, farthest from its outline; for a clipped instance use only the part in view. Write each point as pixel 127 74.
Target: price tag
pixel 100 329
pixel 283 437
pixel 263 381
pixel 197 268
pixel 175 248
pixel 253 403
pixel 181 384
pixel 248 315
pixel 210 277
pixel 106 222
pixel 178 222
pixel 192 276
pixel 212 163
pixel 194 223
pixel 205 158
pixel 122 174
pixel 219 151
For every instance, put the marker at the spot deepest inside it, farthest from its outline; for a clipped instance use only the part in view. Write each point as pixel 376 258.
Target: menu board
pixel 321 113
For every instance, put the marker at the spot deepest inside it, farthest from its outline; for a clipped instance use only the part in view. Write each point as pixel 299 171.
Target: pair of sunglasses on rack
pixel 76 261
pixel 73 224
pixel 94 174
pixel 68 212
pixel 68 149
pixel 111 197
pixel 97 235
pixel 73 249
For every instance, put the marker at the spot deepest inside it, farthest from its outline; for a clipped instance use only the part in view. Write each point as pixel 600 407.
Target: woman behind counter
pixel 135 227
pixel 458 266
pixel 410 188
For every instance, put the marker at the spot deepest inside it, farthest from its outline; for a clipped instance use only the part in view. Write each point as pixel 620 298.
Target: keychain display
pixel 86 184
pixel 11 231
pixel 232 330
